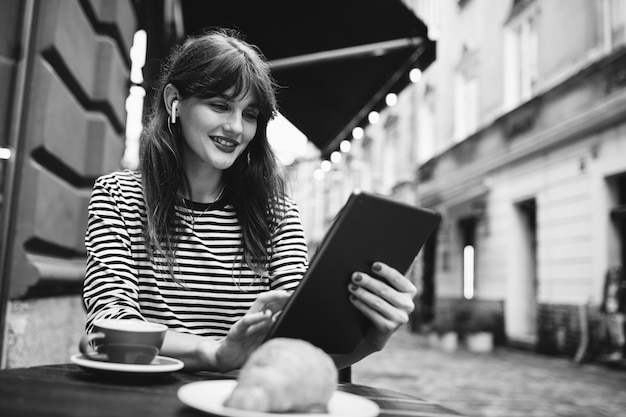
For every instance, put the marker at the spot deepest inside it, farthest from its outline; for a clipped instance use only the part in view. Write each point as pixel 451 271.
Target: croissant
pixel 285 375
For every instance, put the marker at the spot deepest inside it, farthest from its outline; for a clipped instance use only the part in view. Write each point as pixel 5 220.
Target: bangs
pixel 236 73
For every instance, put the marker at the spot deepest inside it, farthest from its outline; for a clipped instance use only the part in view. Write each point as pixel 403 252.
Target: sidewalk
pixel 506 383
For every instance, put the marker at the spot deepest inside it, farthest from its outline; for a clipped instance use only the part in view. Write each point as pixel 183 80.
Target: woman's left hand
pixel 387 300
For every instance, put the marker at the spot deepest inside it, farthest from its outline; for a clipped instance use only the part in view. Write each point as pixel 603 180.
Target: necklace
pixel 190 211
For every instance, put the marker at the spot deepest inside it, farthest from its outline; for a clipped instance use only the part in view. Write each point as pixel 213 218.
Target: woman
pixel 203 238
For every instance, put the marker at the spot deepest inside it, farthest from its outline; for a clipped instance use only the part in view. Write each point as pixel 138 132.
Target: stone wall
pixel 561 331
pixel 43 331
pixel 68 75
pixel 465 316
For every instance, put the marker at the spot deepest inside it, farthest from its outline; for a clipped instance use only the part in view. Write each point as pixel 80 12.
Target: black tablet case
pixel 368 228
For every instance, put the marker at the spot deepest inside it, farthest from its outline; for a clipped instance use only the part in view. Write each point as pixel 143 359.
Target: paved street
pixel 506 383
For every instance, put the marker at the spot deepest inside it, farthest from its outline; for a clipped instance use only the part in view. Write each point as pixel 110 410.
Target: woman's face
pixel 217 130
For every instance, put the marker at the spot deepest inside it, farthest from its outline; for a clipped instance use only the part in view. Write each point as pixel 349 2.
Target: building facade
pixel 516 134
pixel 64 79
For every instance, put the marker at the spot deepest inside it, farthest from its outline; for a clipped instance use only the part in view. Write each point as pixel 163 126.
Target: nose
pixel 234 123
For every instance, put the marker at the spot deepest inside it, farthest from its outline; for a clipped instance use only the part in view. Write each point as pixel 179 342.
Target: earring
pixel 248 158
pixel 174 108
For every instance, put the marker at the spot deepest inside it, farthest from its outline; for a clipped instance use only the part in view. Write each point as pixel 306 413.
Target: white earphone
pixel 174 108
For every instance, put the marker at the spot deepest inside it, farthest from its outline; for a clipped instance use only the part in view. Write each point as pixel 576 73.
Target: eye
pixel 219 106
pixel 251 114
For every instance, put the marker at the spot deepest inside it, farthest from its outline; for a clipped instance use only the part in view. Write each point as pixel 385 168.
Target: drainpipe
pixel 11 170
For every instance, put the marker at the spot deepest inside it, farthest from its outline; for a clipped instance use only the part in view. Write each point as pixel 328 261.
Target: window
pixel 521 56
pixel 426 123
pixel 430 13
pixel 390 162
pixel 466 94
pixel 466 107
pixel 614 23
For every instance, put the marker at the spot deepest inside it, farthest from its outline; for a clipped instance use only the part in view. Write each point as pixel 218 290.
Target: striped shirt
pixel 213 287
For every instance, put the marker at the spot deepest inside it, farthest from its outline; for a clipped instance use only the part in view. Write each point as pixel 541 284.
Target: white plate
pixel 160 364
pixel 209 396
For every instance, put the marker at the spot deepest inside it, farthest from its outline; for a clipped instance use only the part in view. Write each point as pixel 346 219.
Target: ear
pixel 170 93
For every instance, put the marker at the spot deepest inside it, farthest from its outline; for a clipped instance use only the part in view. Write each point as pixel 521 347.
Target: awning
pixel 335 60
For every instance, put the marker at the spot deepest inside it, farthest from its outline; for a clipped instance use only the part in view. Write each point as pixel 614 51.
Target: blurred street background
pixel 504 383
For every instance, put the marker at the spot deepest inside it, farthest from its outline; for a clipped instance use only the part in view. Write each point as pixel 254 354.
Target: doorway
pixel 525 280
pixel 427 296
pixel 618 217
pixel 467 227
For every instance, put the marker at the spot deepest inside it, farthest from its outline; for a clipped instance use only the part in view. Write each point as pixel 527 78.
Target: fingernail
pixel 377 267
pixel 356 277
pixel 353 287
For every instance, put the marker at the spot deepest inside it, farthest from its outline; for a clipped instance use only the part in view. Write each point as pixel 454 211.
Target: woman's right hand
pixel 248 333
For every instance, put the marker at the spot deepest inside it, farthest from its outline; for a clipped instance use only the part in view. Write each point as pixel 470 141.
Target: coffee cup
pixel 123 341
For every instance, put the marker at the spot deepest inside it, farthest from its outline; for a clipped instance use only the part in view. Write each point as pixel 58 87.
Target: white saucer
pixel 209 397
pixel 160 365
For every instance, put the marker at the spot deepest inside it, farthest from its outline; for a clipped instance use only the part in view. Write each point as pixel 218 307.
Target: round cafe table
pixel 68 390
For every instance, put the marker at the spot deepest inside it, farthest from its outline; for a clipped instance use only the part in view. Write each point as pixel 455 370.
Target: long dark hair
pixel 205 66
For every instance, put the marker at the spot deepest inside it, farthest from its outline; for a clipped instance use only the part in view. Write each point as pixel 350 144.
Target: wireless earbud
pixel 174 109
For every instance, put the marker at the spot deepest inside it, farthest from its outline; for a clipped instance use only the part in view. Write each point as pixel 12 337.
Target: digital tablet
pixel 368 228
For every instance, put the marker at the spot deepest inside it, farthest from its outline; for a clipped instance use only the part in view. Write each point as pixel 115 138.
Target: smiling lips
pixel 224 144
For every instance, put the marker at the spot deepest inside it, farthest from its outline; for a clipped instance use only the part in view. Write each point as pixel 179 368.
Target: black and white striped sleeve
pixel 289 259
pixel 110 288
